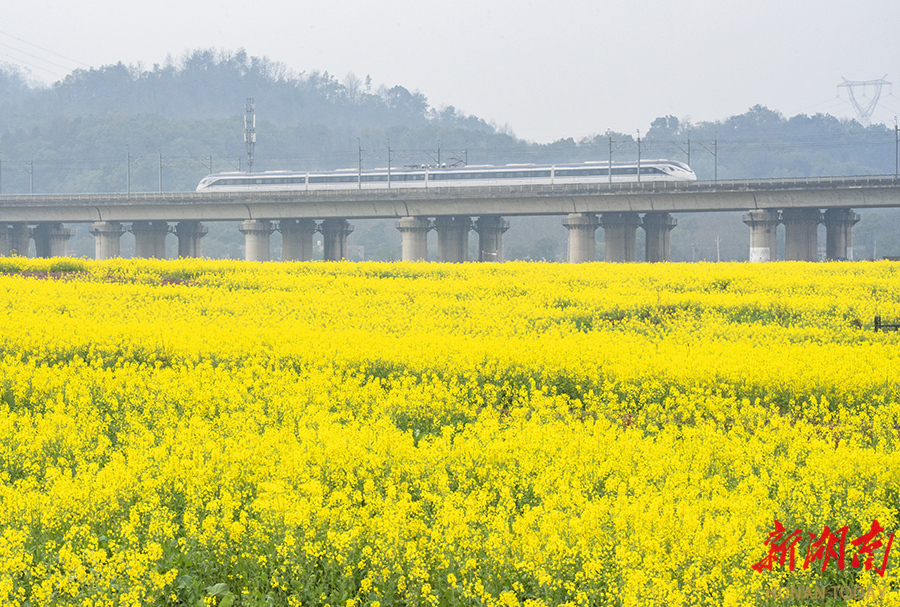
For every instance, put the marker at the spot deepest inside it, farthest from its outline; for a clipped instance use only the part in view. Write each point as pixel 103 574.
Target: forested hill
pixel 207 84
pixel 118 126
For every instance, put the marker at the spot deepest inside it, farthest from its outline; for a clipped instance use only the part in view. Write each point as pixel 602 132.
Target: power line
pixel 350 157
pixel 17 60
pixel 46 50
pixel 26 53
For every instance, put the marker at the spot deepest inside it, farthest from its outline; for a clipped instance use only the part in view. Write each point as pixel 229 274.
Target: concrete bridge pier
pixel 763 236
pixel 490 230
pixel 656 228
pixel 297 239
pixel 620 231
pixel 334 238
pixel 106 239
pixel 801 237
pixel 256 239
pixel 18 238
pixel 150 239
pixel 582 244
pixel 414 238
pixel 51 240
pixel 189 234
pixel 839 233
pixel 453 237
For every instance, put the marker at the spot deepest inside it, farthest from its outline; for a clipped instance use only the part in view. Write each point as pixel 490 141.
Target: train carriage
pixel 440 177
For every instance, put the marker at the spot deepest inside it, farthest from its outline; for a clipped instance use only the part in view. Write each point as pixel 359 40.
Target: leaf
pixel 220 589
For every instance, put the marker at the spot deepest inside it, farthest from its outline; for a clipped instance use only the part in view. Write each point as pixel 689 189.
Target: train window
pixel 580 172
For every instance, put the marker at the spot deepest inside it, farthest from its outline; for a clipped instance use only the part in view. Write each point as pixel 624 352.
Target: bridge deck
pixel 673 197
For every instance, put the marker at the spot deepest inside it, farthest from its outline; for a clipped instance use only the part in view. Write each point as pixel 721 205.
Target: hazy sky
pixel 549 70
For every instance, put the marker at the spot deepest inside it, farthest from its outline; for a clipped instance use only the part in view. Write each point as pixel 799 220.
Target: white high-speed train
pixel 441 177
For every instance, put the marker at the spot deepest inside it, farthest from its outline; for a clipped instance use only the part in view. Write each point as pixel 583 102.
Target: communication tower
pixel 864 110
pixel 250 131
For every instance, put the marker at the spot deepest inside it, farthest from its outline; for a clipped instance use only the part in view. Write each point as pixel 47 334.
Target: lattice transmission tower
pixel 250 131
pixel 865 108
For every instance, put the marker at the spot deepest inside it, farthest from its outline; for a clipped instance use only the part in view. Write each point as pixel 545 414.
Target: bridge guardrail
pixel 721 185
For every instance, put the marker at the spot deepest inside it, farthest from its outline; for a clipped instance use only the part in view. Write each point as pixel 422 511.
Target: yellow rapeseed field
pixel 229 433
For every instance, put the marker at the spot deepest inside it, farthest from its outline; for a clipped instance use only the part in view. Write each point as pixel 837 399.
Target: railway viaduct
pixel 620 209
